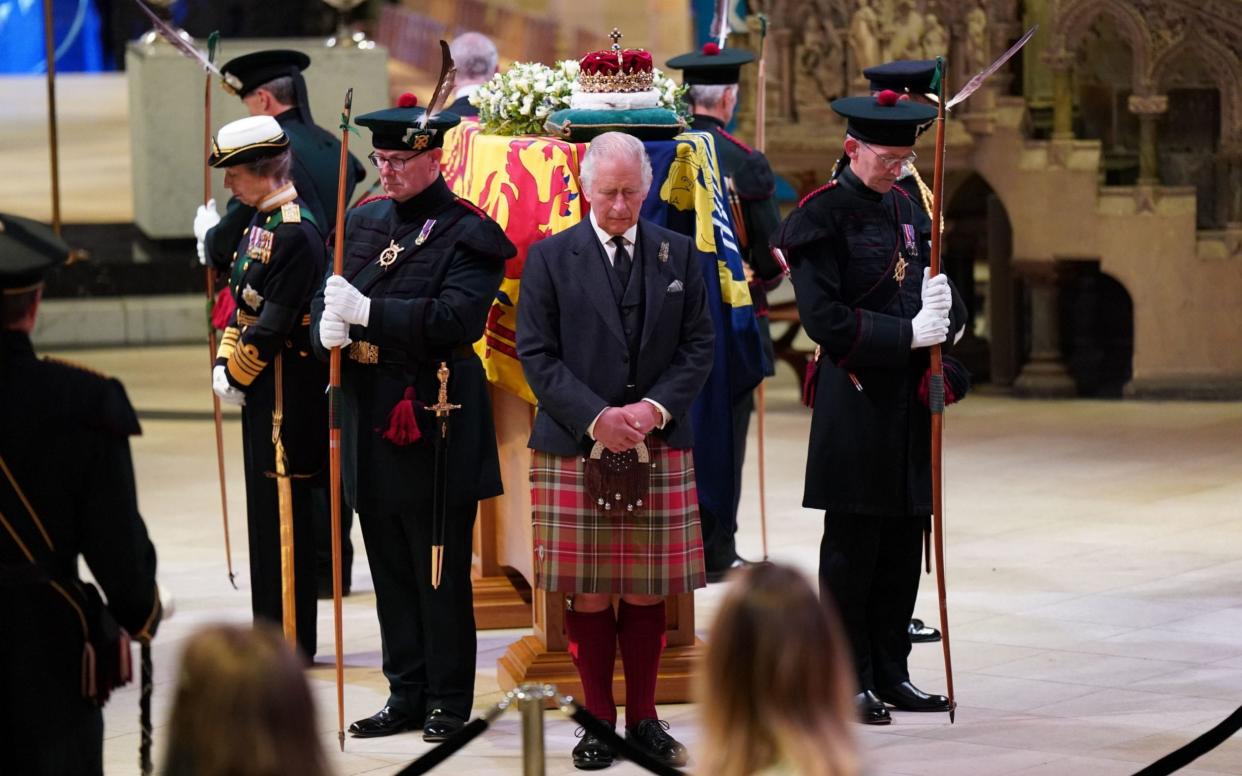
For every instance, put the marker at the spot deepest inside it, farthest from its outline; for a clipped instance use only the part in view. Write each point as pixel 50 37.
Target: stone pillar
pixel 1045 373
pixel 1061 63
pixel 1230 157
pixel 1149 108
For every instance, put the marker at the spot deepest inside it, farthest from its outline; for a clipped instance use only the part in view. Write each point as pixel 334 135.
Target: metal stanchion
pixel 531 699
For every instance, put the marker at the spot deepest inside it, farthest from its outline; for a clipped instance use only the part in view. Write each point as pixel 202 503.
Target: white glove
pixel 205 217
pixel 936 291
pixel 227 393
pixel 346 302
pixel 333 332
pixel 930 327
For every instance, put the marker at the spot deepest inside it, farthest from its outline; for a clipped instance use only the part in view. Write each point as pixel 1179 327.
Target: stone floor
pixel 1095 586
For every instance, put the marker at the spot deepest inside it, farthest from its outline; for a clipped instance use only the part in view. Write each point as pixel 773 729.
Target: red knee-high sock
pixel 593 646
pixel 640 630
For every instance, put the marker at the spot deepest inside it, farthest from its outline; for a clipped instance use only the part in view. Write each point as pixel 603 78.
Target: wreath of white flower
pixel 520 100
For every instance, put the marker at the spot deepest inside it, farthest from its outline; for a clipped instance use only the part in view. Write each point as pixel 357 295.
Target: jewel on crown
pixel 616 69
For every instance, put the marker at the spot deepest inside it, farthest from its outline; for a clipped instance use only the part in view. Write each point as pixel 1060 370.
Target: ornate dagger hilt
pixel 442 407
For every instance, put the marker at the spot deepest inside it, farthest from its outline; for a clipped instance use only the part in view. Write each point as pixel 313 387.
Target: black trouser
pixel 263 526
pixel 719 531
pixel 427 634
pixel 323 538
pixel 870 567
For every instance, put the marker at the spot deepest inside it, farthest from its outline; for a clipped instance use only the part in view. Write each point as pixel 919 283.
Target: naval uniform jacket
pixel 64 435
pixel 316 164
pixel 583 350
pixel 428 306
pixel 870 444
pixel 280 260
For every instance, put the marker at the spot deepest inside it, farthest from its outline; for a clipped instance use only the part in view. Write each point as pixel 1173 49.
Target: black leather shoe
pixel 385 722
pixel 921 633
pixel 871 710
pixel 591 753
pixel 718 573
pixel 907 697
pixel 441 724
pixel 650 736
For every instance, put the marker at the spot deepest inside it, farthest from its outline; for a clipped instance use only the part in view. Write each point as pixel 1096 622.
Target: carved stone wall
pixel 1150 236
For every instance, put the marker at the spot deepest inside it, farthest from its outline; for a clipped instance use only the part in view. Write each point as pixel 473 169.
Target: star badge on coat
pixel 389 254
pixel 251 297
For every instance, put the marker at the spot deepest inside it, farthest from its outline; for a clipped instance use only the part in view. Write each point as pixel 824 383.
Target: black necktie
pixel 621 262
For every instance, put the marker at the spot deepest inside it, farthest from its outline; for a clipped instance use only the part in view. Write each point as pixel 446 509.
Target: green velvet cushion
pixel 579 124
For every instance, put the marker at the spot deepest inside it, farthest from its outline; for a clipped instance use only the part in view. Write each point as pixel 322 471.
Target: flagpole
pixel 49 39
pixel 761 116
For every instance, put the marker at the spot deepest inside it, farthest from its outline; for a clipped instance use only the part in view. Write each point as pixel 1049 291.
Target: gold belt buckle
pixel 364 352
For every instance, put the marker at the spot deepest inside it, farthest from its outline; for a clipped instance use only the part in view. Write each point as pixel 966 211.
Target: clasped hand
pixel 622 428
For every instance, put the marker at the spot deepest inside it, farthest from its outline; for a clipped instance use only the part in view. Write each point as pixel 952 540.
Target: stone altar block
pixel 166 119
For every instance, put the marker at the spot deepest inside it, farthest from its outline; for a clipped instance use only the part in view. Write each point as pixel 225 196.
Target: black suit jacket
pixel 572 347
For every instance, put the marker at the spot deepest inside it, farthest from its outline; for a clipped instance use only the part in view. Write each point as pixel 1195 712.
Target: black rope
pixel 446 749
pixel 144 710
pixel 1205 743
pixel 605 733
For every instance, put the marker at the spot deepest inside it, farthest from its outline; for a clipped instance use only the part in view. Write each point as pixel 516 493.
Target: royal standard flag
pixel 528 185
pixel 687 196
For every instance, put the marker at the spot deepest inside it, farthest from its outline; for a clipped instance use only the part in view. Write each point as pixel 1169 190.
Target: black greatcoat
pixel 869 451
pixel 64 434
pixel 273 293
pixel 431 305
pixel 428 306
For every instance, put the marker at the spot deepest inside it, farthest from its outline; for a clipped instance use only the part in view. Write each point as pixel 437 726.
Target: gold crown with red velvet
pixel 616 69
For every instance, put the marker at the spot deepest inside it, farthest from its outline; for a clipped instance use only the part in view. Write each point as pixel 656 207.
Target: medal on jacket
pixel 426 230
pixel 389 254
pixel 911 248
pixel 260 246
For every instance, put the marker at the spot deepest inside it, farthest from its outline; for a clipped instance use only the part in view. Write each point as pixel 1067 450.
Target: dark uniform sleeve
pixel 114 539
pixel 222 239
pixel 289 280
pixel 426 326
pixel 850 336
pixel 756 189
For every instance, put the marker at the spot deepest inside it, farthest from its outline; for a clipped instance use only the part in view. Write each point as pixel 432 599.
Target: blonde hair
pixel 776 687
pixel 242 707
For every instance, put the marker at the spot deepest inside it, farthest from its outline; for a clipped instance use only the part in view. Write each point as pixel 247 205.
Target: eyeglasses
pixel 395 163
pixel 888 160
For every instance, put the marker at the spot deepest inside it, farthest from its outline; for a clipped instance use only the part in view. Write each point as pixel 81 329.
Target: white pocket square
pixel 675 287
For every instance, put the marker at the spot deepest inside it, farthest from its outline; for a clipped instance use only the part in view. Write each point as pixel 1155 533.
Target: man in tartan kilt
pixel 615 339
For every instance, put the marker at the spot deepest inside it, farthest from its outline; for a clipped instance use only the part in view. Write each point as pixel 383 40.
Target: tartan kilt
pixel 580 549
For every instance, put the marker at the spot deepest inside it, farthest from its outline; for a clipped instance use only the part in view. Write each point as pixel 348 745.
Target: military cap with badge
pixel 28 249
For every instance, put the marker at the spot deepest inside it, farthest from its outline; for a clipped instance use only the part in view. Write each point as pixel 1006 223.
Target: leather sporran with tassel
pixel 618 483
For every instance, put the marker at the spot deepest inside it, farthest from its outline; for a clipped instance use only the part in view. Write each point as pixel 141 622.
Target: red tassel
pixel 808 382
pixel 222 310
pixel 402 427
